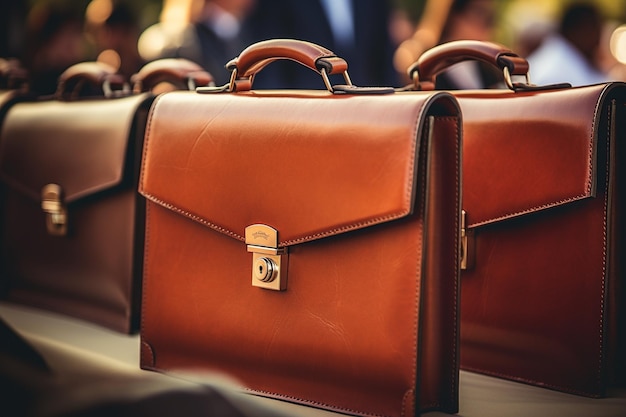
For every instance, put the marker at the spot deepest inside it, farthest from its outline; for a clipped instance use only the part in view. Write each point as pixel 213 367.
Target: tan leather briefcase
pixel 72 226
pixel 305 243
pixel 543 290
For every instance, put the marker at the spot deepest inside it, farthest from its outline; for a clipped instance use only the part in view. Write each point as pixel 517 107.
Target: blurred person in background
pixel 612 56
pixel 114 31
pixel 469 20
pixel 54 40
pixel 454 20
pixel 355 30
pixel 218 31
pixel 530 37
pixel 12 25
pixel 570 54
pixel 222 33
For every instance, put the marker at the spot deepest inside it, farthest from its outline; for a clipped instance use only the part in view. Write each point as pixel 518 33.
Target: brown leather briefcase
pixel 72 223
pixel 543 188
pixel 305 243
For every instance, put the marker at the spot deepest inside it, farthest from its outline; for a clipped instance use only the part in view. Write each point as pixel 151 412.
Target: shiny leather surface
pixel 50 141
pixel 87 147
pixel 364 193
pixel 541 304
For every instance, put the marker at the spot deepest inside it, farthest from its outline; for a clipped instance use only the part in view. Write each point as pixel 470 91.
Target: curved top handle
pixel 92 76
pixel 256 56
pixel 440 57
pixel 180 72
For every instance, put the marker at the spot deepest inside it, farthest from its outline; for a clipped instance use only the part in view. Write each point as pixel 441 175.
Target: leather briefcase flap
pixel 227 181
pixel 547 163
pixel 49 142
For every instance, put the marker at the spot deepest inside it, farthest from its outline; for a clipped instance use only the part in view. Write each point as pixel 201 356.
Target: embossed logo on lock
pixel 269 262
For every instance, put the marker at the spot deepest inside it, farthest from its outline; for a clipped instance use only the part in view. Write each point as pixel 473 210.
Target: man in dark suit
pixel 355 30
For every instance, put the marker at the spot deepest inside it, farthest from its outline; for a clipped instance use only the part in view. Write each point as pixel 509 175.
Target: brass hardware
pixel 56 213
pixel 467 244
pixel 508 80
pixel 269 263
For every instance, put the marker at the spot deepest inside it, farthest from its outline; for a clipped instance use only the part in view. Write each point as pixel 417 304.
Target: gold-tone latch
pixel 467 243
pixel 56 213
pixel 269 269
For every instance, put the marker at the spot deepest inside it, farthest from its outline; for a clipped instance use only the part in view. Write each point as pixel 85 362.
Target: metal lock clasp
pixel 467 244
pixel 56 213
pixel 269 263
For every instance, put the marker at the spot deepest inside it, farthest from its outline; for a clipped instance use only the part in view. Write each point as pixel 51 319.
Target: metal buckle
pixel 269 269
pixel 508 80
pixel 56 213
pixel 327 83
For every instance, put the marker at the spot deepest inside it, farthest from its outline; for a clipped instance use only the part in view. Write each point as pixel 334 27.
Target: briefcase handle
pixel 179 72
pixel 435 60
pixel 258 55
pixel 88 79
